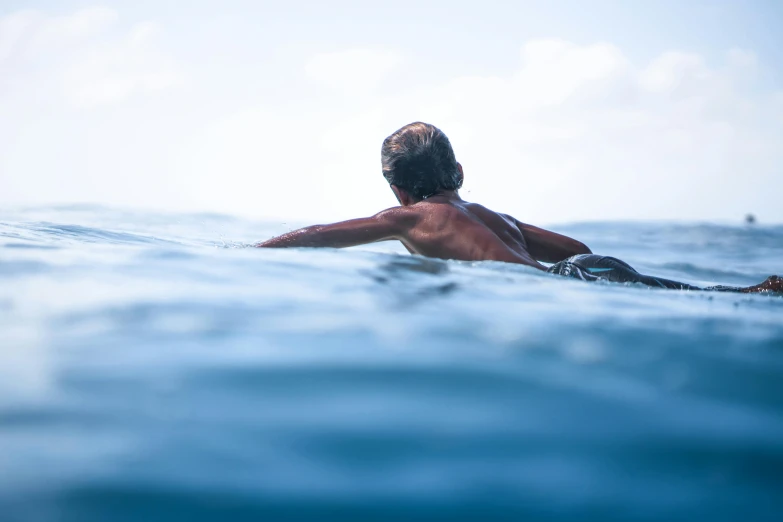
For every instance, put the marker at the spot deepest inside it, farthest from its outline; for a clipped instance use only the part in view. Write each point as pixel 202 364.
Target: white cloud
pixel 25 34
pixel 352 71
pixel 82 59
pixel 61 76
pixel 580 132
pixel 117 71
pixel 259 161
pixel 669 71
pixel 568 132
pixel 742 58
pixel 553 71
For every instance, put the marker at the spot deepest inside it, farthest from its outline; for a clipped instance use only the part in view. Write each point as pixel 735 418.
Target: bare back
pixel 443 226
pixel 450 229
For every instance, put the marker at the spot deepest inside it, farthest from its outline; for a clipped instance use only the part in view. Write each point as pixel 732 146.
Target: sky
pixel 558 110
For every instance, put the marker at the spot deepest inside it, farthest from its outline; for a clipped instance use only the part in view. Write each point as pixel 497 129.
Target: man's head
pixel 418 159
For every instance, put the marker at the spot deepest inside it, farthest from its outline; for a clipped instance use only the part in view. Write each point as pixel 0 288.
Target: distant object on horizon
pixel 750 219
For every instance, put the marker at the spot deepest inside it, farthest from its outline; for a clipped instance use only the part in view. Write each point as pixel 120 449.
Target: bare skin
pixel 447 227
pixel 772 284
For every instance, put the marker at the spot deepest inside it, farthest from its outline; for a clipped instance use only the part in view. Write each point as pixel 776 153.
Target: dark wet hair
pixel 419 159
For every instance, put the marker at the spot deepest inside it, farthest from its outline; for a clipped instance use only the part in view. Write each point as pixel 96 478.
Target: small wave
pixel 702 272
pixel 44 231
pixel 28 246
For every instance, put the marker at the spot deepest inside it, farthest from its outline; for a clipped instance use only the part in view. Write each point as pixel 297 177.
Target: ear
pixel 402 196
pixel 461 174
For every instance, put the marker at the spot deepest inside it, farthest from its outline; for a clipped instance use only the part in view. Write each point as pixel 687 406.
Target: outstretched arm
pixel 550 247
pixel 385 225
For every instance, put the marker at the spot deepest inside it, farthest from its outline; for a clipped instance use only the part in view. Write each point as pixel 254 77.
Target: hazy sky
pixel 558 110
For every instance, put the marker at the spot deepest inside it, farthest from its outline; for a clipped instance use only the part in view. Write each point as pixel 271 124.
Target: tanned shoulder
pixel 399 219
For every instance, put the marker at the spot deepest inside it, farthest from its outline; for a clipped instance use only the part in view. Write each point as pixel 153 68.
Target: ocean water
pixel 151 368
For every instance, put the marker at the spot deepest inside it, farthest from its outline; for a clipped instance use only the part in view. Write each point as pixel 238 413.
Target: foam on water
pixel 149 373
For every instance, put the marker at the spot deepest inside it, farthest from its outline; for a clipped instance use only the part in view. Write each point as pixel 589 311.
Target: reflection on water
pixel 395 274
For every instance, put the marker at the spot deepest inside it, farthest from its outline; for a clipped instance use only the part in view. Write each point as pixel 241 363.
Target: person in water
pixel 434 221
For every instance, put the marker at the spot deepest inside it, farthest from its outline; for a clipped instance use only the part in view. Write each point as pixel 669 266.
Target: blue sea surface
pixel 151 368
